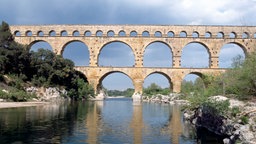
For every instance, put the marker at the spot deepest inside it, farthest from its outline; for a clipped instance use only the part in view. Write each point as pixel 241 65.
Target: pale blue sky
pixel 167 12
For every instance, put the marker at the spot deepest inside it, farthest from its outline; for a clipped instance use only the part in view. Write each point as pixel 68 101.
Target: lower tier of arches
pixel 95 75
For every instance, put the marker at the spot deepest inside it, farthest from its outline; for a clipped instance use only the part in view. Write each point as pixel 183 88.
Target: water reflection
pixel 110 121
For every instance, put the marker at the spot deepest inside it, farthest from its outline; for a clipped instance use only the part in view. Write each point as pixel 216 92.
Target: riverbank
pixel 21 104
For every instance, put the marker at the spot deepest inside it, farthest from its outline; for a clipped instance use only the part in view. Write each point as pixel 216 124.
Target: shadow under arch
pixel 163 74
pixel 77 51
pixel 162 63
pixel 124 45
pixel 229 51
pixel 100 84
pixel 196 44
pixel 37 44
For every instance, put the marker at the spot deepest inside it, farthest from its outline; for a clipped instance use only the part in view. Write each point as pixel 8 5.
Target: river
pixel 111 121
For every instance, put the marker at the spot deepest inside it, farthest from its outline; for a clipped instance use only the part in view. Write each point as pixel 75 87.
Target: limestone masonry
pixel 138 37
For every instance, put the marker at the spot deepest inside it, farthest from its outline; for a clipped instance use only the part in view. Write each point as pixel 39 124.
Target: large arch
pixel 77 51
pixel 116 53
pixel 160 78
pixel 193 82
pixel 157 54
pixel 195 55
pixel 38 44
pixel 115 80
pixel 229 52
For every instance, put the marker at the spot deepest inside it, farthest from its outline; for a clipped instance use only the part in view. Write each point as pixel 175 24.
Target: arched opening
pixel 157 54
pixel 195 55
pixel 34 46
pixel 116 84
pixel 76 51
pixel 29 33
pixel 133 34
pixel 111 33
pixel 158 34
pixel 245 35
pixel 122 33
pixel 232 35
pixel 76 33
pixel 254 35
pixel 229 53
pixel 183 34
pixel 195 34
pixel 17 33
pixel 99 33
pixel 192 84
pixel 145 34
pixel 157 83
pixel 116 54
pixel 208 35
pixel 64 33
pixel 87 33
pixel 40 33
pixel 220 35
pixel 52 33
pixel 170 34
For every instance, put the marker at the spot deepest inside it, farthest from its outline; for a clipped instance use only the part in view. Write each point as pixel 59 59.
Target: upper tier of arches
pixel 232 32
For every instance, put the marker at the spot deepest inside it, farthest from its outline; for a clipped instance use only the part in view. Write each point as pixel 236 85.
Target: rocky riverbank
pixel 237 125
pixel 172 98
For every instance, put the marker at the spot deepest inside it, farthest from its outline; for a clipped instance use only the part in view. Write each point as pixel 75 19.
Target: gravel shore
pixel 20 104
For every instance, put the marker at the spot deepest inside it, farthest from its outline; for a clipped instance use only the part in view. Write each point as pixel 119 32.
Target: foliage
pixel 41 68
pixel 128 92
pixel 245 119
pixel 154 89
pixel 216 107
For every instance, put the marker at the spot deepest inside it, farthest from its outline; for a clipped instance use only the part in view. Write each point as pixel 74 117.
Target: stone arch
pixel 196 44
pixel 122 33
pixel 133 33
pixel 45 43
pixel 162 43
pixel 29 33
pixel 158 34
pixel 229 51
pixel 110 33
pixel 220 35
pixel 17 33
pixel 52 33
pixel 115 41
pixel 87 33
pixel 99 33
pixel 161 73
pixel 76 33
pixel 245 35
pixel 183 34
pixel 195 34
pixel 83 53
pixel 145 34
pixel 103 76
pixel 208 35
pixel 192 76
pixel 63 33
pixel 40 33
pixel 170 34
pixel 232 35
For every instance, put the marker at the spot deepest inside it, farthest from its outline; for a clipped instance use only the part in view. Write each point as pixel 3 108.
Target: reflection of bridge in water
pixel 138 37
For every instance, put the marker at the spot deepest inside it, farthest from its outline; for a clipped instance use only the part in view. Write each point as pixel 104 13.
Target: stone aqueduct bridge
pixel 138 37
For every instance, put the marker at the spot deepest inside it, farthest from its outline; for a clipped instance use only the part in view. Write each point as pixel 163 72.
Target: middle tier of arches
pixel 139 46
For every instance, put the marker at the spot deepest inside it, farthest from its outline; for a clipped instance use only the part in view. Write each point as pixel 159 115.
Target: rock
pixel 101 96
pixel 245 134
pixel 218 98
pixel 5 91
pixel 137 97
pixel 1 100
pixel 236 103
pixel 226 141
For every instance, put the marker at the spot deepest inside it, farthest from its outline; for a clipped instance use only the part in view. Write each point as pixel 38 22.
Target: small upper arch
pixel 17 33
pixel 232 35
pixel 145 34
pixel 133 33
pixel 52 33
pixel 29 33
pixel 122 33
pixel 87 33
pixel 99 33
pixel 195 34
pixel 40 33
pixel 64 33
pixel 245 35
pixel 220 35
pixel 170 34
pixel 183 34
pixel 158 34
pixel 76 33
pixel 208 35
pixel 110 33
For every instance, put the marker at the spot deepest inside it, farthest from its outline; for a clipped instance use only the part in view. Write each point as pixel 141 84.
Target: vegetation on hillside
pixel 154 89
pixel 42 68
